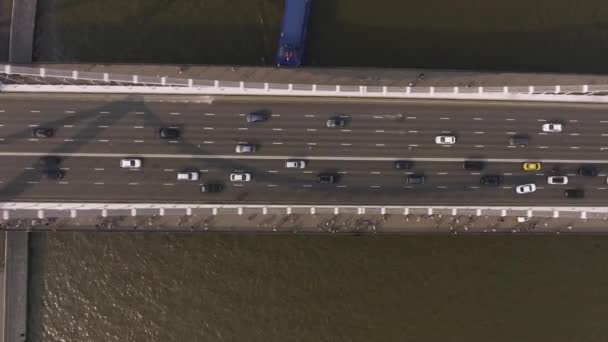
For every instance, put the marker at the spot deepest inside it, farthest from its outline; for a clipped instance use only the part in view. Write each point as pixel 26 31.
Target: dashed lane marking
pixel 380 145
pixel 309 115
pixel 277 129
pixel 479 132
pixel 541 120
pixel 411 118
pixel 134 183
pixel 479 146
pixel 208 142
pixel 510 119
pixel 174 113
pixel 34 111
pixel 168 184
pixel 311 144
pixel 574 134
pixel 173 141
pixel 102 126
pixel 138 126
pixel 345 144
pixel 99 169
pixel 33 125
pixel 68 140
pixel 103 140
pixel 375 186
pixel 99 183
pixel 442 173
pixel 412 132
pixel 311 129
pixel 572 120
pixel 444 118
pixel 477 119
pixel 209 114
pixel 208 128
pixel 242 128
pixel 307 185
pixel 276 115
pixel 277 143
pixel 379 131
pixel 68 126
pixel 413 145
pixel 138 141
pixel 32 139
pixel 271 185
pixel 345 130
pixel 69 112
pixel 574 147
pixel 543 147
pixel 375 172
pixel 273 171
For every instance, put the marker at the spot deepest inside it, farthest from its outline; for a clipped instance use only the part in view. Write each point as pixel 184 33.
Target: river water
pixel 209 287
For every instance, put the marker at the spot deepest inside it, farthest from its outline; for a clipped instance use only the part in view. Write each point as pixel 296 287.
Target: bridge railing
pixel 21 75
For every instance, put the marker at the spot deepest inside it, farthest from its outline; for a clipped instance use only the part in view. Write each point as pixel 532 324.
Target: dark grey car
pixel 257 117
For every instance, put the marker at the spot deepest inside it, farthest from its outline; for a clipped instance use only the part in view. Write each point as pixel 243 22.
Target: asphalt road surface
pixel 92 134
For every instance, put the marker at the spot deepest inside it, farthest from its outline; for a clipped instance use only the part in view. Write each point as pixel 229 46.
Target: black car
pixel 471 165
pixel 257 117
pixel 415 179
pixel 42 132
pixel 327 178
pixel 168 133
pixel 574 193
pixel 587 171
pixel 212 188
pixel 403 164
pixel 490 180
pixel 53 174
pixel 49 162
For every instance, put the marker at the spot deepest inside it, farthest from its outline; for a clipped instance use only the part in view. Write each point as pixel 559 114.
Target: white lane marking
pixel 444 118
pixel 479 146
pixel 99 183
pixel 603 121
pixel 342 172
pixel 605 134
pixel 104 112
pixel 68 140
pixel 173 141
pixel 442 173
pixel 65 168
pixel 306 171
pixel 380 145
pixel 574 147
pixel 477 119
pixel 411 118
pixel 273 171
pixel 374 186
pixel 208 128
pixel 69 112
pixel 311 129
pixel 311 144
pixel 572 174
pixel 133 183
pixel 174 113
pixel 242 114
pixel 479 132
pixel 341 186
pixel 277 129
pixel 511 146
pixel 32 182
pixel 407 187
pixel 540 187
pixel 507 187
pixel 601 188
pixel 442 187
pixel 413 145
pixel 475 173
pixel 139 113
pixel 277 143
pixel 103 140
pixel 539 174
pixel 32 139
pixel 379 131
pixel 1 110
pixel 375 172
pixel 473 187
pixel 345 130
pixel 572 120
pixel 103 126
pixel 204 170
pixel 138 141
pixel 511 133
pixel 34 111
pixel 412 132
pixel 209 114
pixel 237 184
pixel 276 115
pixel 242 128
pixel 29 168
pixel 574 134
pixel 68 126
pixel 64 183
pixel 507 174
pixel 271 185
pixel 510 119
pixel 168 184
pixel 603 148
pixel 377 117
pixel 543 147
pixel 542 133
pixel 446 145
pixel 33 125
pixel 138 126
pixel 346 144
pixel 208 142
pixel 541 120
pixel 309 115
pixel 99 169
pixel 307 186
pixel 446 131
pixel 168 170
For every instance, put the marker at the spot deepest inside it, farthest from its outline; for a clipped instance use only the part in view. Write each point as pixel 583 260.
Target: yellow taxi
pixel 531 166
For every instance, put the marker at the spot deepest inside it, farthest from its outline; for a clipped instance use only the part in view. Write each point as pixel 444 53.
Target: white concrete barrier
pixel 37 80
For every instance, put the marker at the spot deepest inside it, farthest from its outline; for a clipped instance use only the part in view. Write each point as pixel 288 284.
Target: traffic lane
pixel 255 192
pixel 90 165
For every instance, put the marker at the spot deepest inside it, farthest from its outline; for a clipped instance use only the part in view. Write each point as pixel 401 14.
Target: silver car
pixel 245 148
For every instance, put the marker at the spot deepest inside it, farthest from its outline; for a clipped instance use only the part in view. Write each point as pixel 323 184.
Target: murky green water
pixel 205 287
pixel 540 35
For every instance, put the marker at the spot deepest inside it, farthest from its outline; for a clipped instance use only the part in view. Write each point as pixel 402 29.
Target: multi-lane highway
pixel 92 134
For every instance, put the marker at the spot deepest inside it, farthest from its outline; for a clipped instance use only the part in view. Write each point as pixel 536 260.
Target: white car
pixel 559 180
pixel 552 127
pixel 445 139
pixel 240 177
pixel 130 163
pixel 295 164
pixel 525 188
pixel 187 176
pixel 245 148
